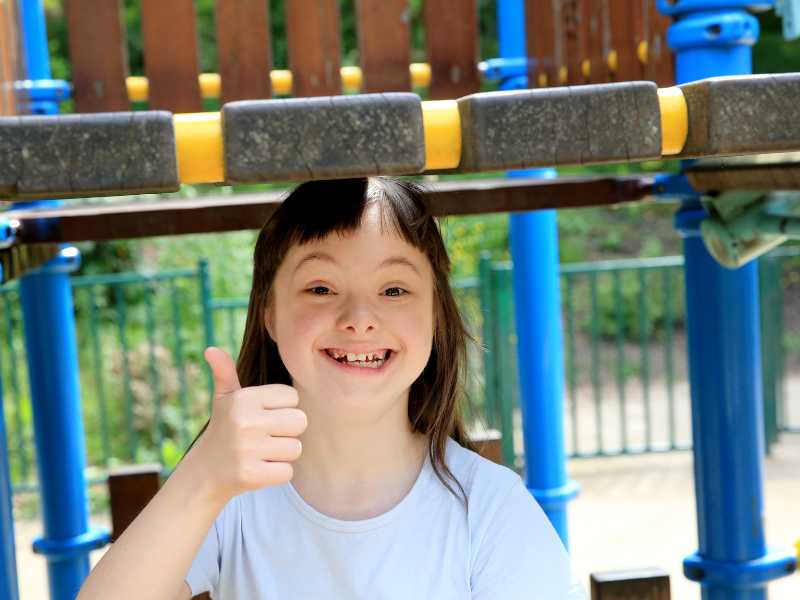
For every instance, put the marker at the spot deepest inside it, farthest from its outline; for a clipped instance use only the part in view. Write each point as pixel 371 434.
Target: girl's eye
pixel 401 292
pixel 314 289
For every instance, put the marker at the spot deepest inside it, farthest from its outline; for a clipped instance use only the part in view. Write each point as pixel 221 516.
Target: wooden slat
pixel 250 211
pixel 452 47
pixel 171 56
pixel 99 56
pixel 661 63
pixel 312 31
pixel 574 42
pixel 9 57
pixel 622 17
pixel 384 42
pixel 599 39
pixel 542 31
pixel 243 49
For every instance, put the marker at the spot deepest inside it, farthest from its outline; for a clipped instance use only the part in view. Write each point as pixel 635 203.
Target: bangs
pixel 316 209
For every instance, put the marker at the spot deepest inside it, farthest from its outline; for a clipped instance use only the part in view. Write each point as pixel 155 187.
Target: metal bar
pixel 668 353
pixel 596 386
pixel 99 382
pixel 488 312
pixel 22 450
pixel 9 586
pixel 208 321
pixel 119 296
pixel 571 368
pixel 644 346
pixel 620 338
pixel 503 291
pixel 231 322
pixel 540 348
pixel 732 561
pixel 153 372
pixel 177 349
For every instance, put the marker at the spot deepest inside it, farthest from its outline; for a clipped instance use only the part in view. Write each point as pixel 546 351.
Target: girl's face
pixel 365 293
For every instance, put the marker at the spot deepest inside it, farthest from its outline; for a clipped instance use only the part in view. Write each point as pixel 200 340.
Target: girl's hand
pixel 251 438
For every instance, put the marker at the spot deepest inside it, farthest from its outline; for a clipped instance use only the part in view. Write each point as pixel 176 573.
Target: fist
pixel 251 439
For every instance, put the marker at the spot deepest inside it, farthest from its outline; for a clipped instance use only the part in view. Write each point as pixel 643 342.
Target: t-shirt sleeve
pixel 203 575
pixel 518 555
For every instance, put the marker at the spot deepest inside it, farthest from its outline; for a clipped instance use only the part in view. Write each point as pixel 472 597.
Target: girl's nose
pixel 358 317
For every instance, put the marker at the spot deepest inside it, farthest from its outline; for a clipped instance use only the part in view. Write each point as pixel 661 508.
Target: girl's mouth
pixel 375 365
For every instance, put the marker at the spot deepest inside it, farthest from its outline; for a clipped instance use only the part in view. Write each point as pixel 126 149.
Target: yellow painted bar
pixel 198 137
pixel 420 74
pixel 442 123
pixel 281 80
pixel 674 120
pixel 198 143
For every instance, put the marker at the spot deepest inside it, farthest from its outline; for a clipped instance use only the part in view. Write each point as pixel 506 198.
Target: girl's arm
pixel 152 556
pixel 248 444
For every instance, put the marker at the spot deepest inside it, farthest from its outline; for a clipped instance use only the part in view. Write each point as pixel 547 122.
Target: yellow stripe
pixel 674 120
pixel 420 74
pixel 198 137
pixel 442 123
pixel 198 142
pixel 281 80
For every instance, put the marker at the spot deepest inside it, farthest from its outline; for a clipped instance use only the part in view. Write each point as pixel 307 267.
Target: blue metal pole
pixel 49 326
pixel 8 566
pixel 710 38
pixel 537 302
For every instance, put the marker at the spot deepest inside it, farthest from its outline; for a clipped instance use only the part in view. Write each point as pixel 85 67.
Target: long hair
pixel 310 213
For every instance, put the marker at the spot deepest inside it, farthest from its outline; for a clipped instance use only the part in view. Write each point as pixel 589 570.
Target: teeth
pixel 354 357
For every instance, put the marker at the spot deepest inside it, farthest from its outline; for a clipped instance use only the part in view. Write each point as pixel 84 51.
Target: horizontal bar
pixel 281 80
pixel 580 125
pixel 605 266
pixel 250 211
pixel 129 278
pixel 200 147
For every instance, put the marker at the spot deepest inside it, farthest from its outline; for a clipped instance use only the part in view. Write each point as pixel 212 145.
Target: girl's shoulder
pixel 480 477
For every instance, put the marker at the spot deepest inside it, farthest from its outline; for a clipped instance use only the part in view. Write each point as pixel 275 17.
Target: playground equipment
pixel 602 44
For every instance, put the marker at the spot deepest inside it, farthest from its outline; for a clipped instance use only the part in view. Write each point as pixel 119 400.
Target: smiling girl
pixel 335 463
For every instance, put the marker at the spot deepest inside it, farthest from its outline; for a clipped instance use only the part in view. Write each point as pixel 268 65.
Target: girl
pixel 335 463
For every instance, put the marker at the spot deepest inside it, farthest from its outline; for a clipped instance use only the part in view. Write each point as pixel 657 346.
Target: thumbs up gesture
pixel 251 438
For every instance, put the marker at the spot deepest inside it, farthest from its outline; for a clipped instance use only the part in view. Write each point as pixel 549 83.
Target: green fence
pixel 146 390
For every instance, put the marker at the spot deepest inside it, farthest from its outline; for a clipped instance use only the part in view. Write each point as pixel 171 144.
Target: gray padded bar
pixel 325 137
pixel 576 125
pixel 87 154
pixel 742 115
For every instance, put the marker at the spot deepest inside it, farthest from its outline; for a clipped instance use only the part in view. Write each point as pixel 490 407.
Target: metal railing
pixel 146 390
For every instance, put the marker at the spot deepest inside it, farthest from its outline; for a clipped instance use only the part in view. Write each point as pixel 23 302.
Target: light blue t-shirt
pixel 270 544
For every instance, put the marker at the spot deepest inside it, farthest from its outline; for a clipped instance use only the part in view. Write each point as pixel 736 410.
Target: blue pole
pixel 537 302
pixel 49 326
pixel 8 566
pixel 710 38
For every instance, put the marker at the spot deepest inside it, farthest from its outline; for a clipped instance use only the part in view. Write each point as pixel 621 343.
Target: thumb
pixel 226 380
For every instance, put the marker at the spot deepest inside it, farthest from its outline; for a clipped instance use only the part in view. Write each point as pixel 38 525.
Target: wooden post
pixel 130 488
pixel 635 584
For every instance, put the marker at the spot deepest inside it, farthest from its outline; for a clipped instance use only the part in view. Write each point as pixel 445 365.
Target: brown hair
pixel 316 209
